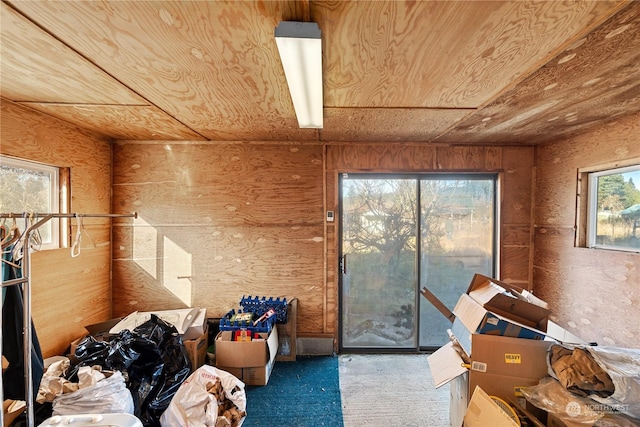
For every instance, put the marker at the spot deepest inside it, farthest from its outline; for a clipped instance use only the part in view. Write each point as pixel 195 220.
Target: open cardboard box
pixel 249 361
pixel 509 301
pixel 501 365
pixel 197 348
pixel 472 318
pixel 519 362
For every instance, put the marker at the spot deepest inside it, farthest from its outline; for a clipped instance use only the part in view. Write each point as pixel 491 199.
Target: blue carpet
pixel 298 394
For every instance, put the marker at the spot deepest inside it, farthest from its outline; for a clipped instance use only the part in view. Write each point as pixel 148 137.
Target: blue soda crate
pixel 226 324
pixel 260 305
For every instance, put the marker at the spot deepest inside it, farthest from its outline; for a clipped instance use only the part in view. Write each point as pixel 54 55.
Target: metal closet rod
pixel 66 215
pixel 26 282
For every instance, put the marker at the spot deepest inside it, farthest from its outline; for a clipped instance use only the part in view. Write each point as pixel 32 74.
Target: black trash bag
pixel 153 361
pixel 89 352
pixel 116 354
pixel 161 367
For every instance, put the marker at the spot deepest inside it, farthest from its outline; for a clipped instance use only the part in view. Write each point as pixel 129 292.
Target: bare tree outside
pixel 381 221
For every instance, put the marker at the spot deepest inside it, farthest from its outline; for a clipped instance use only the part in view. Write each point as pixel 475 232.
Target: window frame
pixel 57 195
pixel 586 215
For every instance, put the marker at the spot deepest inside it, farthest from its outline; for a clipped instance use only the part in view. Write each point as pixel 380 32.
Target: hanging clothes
pixel 12 336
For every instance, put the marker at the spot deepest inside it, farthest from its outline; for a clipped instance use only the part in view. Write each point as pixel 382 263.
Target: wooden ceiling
pixel 454 72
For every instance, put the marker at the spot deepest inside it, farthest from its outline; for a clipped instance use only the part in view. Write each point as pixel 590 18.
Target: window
pixel 31 187
pixel 613 209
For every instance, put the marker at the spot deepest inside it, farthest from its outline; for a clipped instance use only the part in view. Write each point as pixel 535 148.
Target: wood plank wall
pixel 68 293
pixel 222 220
pixel 513 164
pixel 593 293
pixel 219 221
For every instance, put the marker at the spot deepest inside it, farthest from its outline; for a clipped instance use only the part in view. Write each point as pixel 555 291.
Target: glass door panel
pixel 379 279
pixel 382 256
pixel 457 218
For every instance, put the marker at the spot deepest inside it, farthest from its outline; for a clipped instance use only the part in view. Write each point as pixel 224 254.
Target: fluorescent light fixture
pixel 300 47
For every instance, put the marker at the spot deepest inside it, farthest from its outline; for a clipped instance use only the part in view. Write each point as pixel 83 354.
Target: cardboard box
pixel 509 301
pixel 102 328
pixel 197 349
pixel 250 361
pixel 198 326
pixel 459 399
pixel 11 409
pixel 288 335
pixel 483 411
pixel 499 365
pixel 478 320
pixel 74 344
pixel 512 358
pixel 252 376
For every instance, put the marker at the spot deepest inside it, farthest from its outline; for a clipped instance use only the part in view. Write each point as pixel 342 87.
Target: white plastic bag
pixel 107 396
pixel 552 397
pixel 197 401
pixel 623 366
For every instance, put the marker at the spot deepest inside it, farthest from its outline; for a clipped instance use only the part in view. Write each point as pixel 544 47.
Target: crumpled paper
pixel 54 384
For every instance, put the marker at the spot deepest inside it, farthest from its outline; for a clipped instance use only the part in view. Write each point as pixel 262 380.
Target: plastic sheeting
pixel 623 367
pixel 108 395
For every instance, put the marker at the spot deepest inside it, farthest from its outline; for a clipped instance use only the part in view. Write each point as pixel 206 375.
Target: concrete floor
pixel 384 390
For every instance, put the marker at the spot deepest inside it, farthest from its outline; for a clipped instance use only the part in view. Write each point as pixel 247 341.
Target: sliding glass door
pixel 402 233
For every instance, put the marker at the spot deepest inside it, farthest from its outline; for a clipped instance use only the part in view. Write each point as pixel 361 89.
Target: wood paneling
pixel 37 67
pixel 370 48
pixel 388 124
pixel 570 93
pixel 219 221
pixel 456 72
pixel 468 158
pixel 515 166
pixel 120 121
pixel 64 287
pixel 594 293
pixel 69 294
pixel 214 66
pixel 379 158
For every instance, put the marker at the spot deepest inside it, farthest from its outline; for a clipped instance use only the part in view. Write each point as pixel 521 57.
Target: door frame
pixel 418 176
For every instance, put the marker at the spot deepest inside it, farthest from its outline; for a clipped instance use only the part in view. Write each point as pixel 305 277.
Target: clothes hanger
pixel 76 246
pixel 35 240
pixel 13 235
pixel 77 241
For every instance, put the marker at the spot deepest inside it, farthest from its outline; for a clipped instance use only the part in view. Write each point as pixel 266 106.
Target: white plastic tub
pixel 93 420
